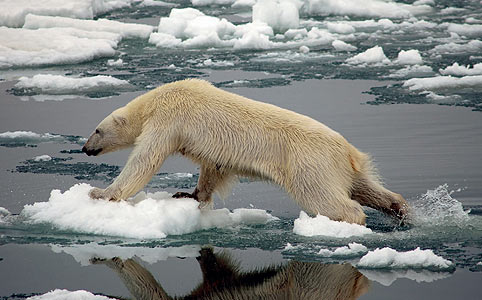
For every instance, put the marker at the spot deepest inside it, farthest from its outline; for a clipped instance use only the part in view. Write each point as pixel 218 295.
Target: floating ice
pixel 387 277
pixel 59 294
pixel 371 8
pixel 462 70
pixel 409 57
pixel 342 46
pixel 115 63
pixel 373 55
pixel 13 13
pixel 44 157
pixel 157 3
pixel 280 15
pixel 323 226
pixel 353 249
pixel 340 28
pixel 58 84
pixel 84 252
pixel 411 71
pixel 304 49
pixel 103 25
pixel 144 216
pixel 465 29
pixel 23 138
pixel 211 2
pixel 27 47
pixel 444 83
pixel 473 46
pixel 4 213
pixel 387 258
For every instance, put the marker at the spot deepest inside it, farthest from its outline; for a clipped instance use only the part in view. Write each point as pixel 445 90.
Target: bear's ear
pixel 119 120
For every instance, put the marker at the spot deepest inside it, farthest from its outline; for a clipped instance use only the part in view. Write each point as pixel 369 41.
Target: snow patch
pixel 144 216
pixel 323 226
pixel 388 258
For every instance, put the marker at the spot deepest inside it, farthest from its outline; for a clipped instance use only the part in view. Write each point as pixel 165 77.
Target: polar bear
pixel 229 136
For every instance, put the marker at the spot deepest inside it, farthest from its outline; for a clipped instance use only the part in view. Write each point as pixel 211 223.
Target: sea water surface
pixel 400 80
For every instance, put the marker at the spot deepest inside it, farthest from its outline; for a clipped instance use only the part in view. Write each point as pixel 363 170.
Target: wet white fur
pixel 230 135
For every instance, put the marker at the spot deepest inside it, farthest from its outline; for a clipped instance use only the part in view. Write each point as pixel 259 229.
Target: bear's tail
pixel 367 188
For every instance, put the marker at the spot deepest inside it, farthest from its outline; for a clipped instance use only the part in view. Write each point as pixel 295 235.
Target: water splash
pixel 437 207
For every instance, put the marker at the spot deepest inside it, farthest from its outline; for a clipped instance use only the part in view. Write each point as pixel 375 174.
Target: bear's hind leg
pixel 210 180
pixel 371 193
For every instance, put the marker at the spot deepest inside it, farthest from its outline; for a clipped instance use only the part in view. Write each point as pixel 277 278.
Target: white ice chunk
pixel 409 57
pixel 444 83
pixel 26 47
pixel 4 214
pixel 465 29
pixel 304 49
pixel 352 249
pixel 27 137
pixel 373 55
pixel 343 28
pixel 58 84
pixel 387 258
pixel 323 226
pixel 253 40
pixel 115 63
pixel 462 70
pixel 12 13
pixel 84 252
pixel 370 8
pixel 157 3
pixel 211 2
pixel 59 294
pixel 124 29
pixel 473 46
pixel 411 71
pixel 44 157
pixel 280 15
pixel 144 216
pixel 342 46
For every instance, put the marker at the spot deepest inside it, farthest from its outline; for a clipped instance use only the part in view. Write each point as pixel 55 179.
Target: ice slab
pixel 58 84
pixel 145 216
pixel 353 249
pixel 59 294
pixel 323 226
pixel 387 258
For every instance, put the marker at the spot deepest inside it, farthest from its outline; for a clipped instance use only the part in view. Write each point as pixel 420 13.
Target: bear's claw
pixel 183 195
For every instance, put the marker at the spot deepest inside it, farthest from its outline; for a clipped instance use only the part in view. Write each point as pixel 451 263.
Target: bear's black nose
pixel 84 149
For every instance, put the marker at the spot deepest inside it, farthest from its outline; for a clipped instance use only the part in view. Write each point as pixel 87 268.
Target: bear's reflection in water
pixel 222 279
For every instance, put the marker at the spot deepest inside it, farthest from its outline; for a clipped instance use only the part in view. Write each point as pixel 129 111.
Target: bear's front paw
pixel 97 193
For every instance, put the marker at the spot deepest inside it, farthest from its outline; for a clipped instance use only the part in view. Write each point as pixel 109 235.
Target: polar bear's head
pixel 112 134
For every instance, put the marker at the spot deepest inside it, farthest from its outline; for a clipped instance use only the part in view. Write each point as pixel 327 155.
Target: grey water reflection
pixel 223 279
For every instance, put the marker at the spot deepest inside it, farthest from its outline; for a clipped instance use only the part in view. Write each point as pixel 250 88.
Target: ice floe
pixel 371 8
pixel 342 46
pixel 21 47
pixel 83 253
pixel 60 294
pixel 372 56
pixel 58 84
pixel 409 57
pixel 13 13
pixel 323 226
pixel 44 157
pixel 462 70
pixel 280 15
pixel 143 216
pixel 387 258
pixel 444 83
pixel 102 25
pixel 353 249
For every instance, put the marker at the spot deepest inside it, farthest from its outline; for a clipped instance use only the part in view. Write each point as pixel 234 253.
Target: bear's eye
pixel 97 131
